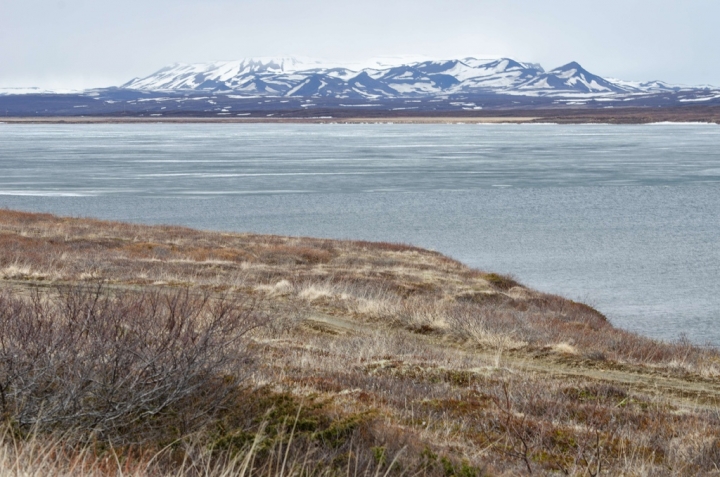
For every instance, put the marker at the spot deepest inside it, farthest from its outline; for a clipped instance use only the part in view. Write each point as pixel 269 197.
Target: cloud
pixel 81 43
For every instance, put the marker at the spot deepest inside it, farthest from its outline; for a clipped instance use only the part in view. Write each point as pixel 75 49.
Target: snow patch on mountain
pixel 389 78
pixel 6 91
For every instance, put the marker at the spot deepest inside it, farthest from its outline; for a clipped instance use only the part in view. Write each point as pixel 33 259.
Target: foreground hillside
pixel 138 350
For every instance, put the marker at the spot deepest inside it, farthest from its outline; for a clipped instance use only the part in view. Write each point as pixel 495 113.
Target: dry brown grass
pixel 379 351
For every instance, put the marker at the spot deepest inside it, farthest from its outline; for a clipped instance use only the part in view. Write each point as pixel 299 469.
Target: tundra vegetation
pixel 157 350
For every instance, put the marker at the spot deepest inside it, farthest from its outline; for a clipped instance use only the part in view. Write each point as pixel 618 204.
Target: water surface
pixel 625 218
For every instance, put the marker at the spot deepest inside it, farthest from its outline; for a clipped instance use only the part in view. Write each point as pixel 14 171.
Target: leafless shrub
pixel 502 282
pixel 120 365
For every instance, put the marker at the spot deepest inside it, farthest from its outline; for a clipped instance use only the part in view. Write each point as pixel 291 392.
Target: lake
pixel 625 218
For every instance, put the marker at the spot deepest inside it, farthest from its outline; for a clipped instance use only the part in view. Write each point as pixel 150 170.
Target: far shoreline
pixel 261 120
pixel 630 116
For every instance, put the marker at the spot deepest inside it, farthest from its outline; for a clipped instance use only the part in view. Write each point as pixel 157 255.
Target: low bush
pixel 122 367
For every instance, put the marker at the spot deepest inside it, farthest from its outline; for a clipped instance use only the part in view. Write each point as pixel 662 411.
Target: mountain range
pixel 294 78
pixel 290 87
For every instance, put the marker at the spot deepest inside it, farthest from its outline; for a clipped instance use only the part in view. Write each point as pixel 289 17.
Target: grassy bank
pixel 137 350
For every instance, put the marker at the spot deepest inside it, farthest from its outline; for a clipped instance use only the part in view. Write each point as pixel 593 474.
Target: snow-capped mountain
pixel 290 77
pixel 571 77
pixel 230 75
pixel 389 87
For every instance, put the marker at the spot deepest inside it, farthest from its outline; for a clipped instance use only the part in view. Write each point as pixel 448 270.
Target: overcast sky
pixel 92 43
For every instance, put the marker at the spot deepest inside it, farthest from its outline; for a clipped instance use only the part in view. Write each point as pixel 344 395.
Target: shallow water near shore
pixel 625 218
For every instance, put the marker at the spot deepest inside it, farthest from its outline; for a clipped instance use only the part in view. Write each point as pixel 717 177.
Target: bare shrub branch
pixel 120 364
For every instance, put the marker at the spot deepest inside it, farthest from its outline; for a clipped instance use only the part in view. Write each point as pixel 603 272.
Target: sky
pixel 76 44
